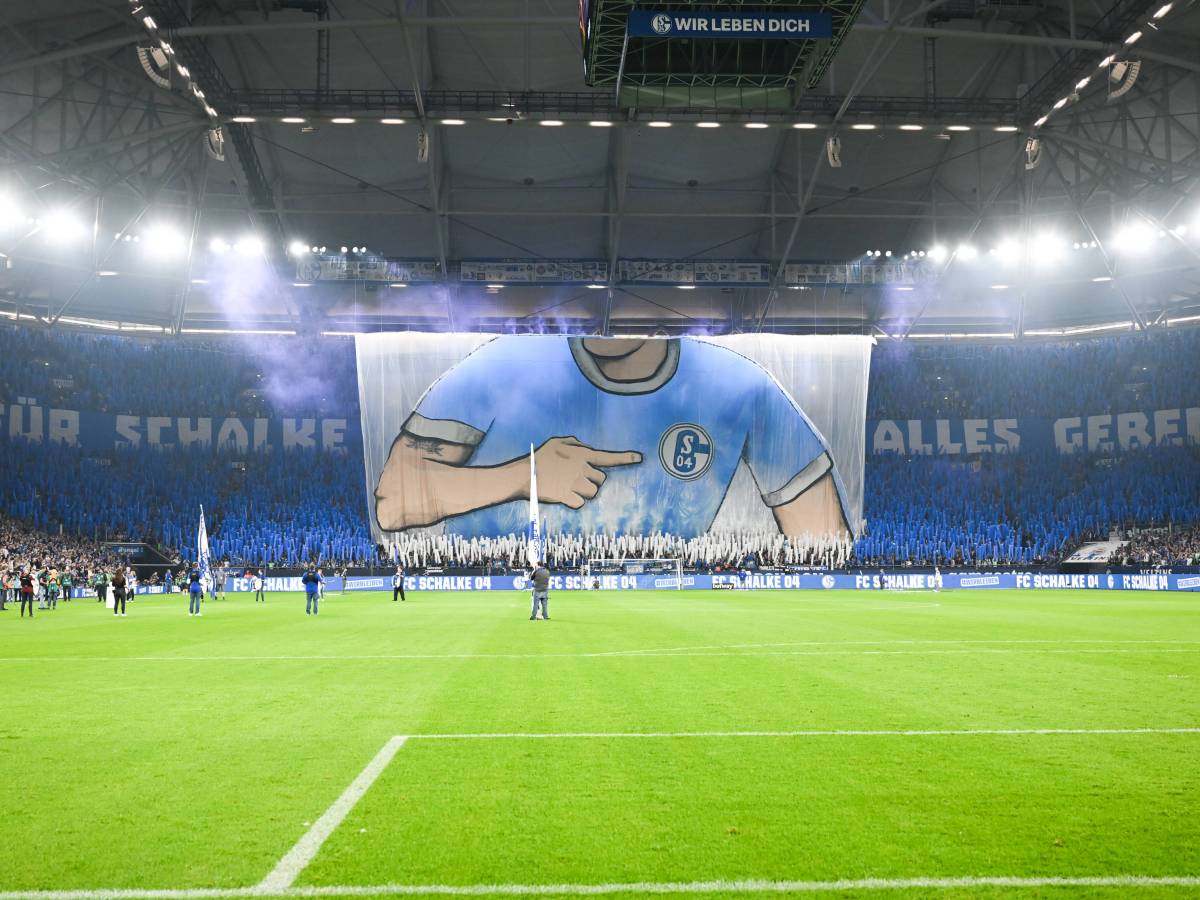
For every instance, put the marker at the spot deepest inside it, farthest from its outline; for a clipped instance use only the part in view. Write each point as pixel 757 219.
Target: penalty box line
pixel 281 879
pixel 288 869
pixel 296 860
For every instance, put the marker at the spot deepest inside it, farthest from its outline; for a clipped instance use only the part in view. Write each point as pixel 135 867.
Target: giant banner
pixel 683 436
pixel 29 420
pixel 1068 434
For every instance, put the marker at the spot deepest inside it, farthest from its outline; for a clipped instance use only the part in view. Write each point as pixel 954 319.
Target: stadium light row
pixel 753 125
pixel 163 241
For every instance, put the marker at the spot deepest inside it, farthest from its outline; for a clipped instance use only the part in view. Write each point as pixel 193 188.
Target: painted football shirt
pixel 703 411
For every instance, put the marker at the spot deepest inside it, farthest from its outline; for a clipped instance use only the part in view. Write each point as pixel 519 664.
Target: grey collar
pixel 591 371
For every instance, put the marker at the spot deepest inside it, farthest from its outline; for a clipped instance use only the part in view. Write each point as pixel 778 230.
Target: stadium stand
pixel 959 379
pixel 285 507
pixel 236 376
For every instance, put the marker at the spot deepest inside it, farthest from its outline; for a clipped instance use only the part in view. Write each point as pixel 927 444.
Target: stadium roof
pixel 952 88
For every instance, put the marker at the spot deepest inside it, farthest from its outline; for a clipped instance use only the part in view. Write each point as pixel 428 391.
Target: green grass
pixel 159 751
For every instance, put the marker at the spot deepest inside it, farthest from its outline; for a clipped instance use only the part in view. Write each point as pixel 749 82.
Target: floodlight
pixel 297 248
pixel 345 249
pixel 218 246
pixel 966 252
pixel 249 245
pixel 1008 251
pixel 343 120
pixel 10 214
pixel 164 242
pixel 1136 237
pixel 551 123
pixel 912 127
pixel 805 126
pixel 62 226
pixel 1050 247
pixel 1133 38
pixel 708 124
pixel 938 253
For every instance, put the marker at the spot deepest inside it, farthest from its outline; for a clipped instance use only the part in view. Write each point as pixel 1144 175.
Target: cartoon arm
pixel 816 511
pixel 426 478
pixel 793 468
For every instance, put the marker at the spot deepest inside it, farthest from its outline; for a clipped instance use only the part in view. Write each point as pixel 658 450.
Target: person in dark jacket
pixel 26 593
pixel 195 592
pixel 312 585
pixel 541 592
pixel 118 587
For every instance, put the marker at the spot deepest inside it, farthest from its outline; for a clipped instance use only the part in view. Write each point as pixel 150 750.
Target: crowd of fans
pixel 285 508
pixel 50 566
pixel 239 376
pixel 276 506
pixel 1160 548
pixel 1027 508
pixel 1119 373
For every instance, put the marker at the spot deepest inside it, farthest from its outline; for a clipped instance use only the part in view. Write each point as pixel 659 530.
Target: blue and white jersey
pixel 693 420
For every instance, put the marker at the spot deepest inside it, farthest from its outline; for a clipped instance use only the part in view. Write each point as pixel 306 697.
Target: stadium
pixel 616 448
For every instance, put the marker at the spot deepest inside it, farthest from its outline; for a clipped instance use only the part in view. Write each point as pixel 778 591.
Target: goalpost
pixel 669 571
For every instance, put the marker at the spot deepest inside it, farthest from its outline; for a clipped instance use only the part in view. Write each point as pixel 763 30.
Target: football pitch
pixel 821 744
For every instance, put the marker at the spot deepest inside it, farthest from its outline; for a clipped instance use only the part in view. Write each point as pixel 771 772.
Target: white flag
pixel 533 550
pixel 203 558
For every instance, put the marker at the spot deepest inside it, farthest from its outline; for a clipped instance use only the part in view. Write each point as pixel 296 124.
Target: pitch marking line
pixel 297 859
pixel 944 732
pixel 643 887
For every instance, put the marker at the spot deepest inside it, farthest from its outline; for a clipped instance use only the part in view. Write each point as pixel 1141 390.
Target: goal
pixel 656 573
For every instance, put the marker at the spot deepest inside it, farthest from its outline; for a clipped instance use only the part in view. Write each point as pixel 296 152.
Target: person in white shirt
pixel 258 583
pixel 398 584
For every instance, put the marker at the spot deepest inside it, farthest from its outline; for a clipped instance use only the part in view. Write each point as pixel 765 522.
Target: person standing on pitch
pixel 259 583
pixel 195 592
pixel 398 584
pixel 541 592
pixel 312 584
pixel 118 587
pixel 26 593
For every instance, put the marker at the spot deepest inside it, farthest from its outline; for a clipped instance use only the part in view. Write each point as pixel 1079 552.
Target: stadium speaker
pixel 1122 75
pixel 422 146
pixel 1033 153
pixel 214 143
pixel 156 64
pixel 833 151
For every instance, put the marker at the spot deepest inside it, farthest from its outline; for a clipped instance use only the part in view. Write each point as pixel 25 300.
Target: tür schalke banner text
pixel 1069 434
pixel 707 23
pixel 105 431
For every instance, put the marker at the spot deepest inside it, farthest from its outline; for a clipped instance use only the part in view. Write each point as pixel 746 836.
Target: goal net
pixel 606 573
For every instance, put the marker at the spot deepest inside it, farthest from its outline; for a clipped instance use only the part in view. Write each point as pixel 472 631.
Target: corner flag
pixel 534 550
pixel 203 559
